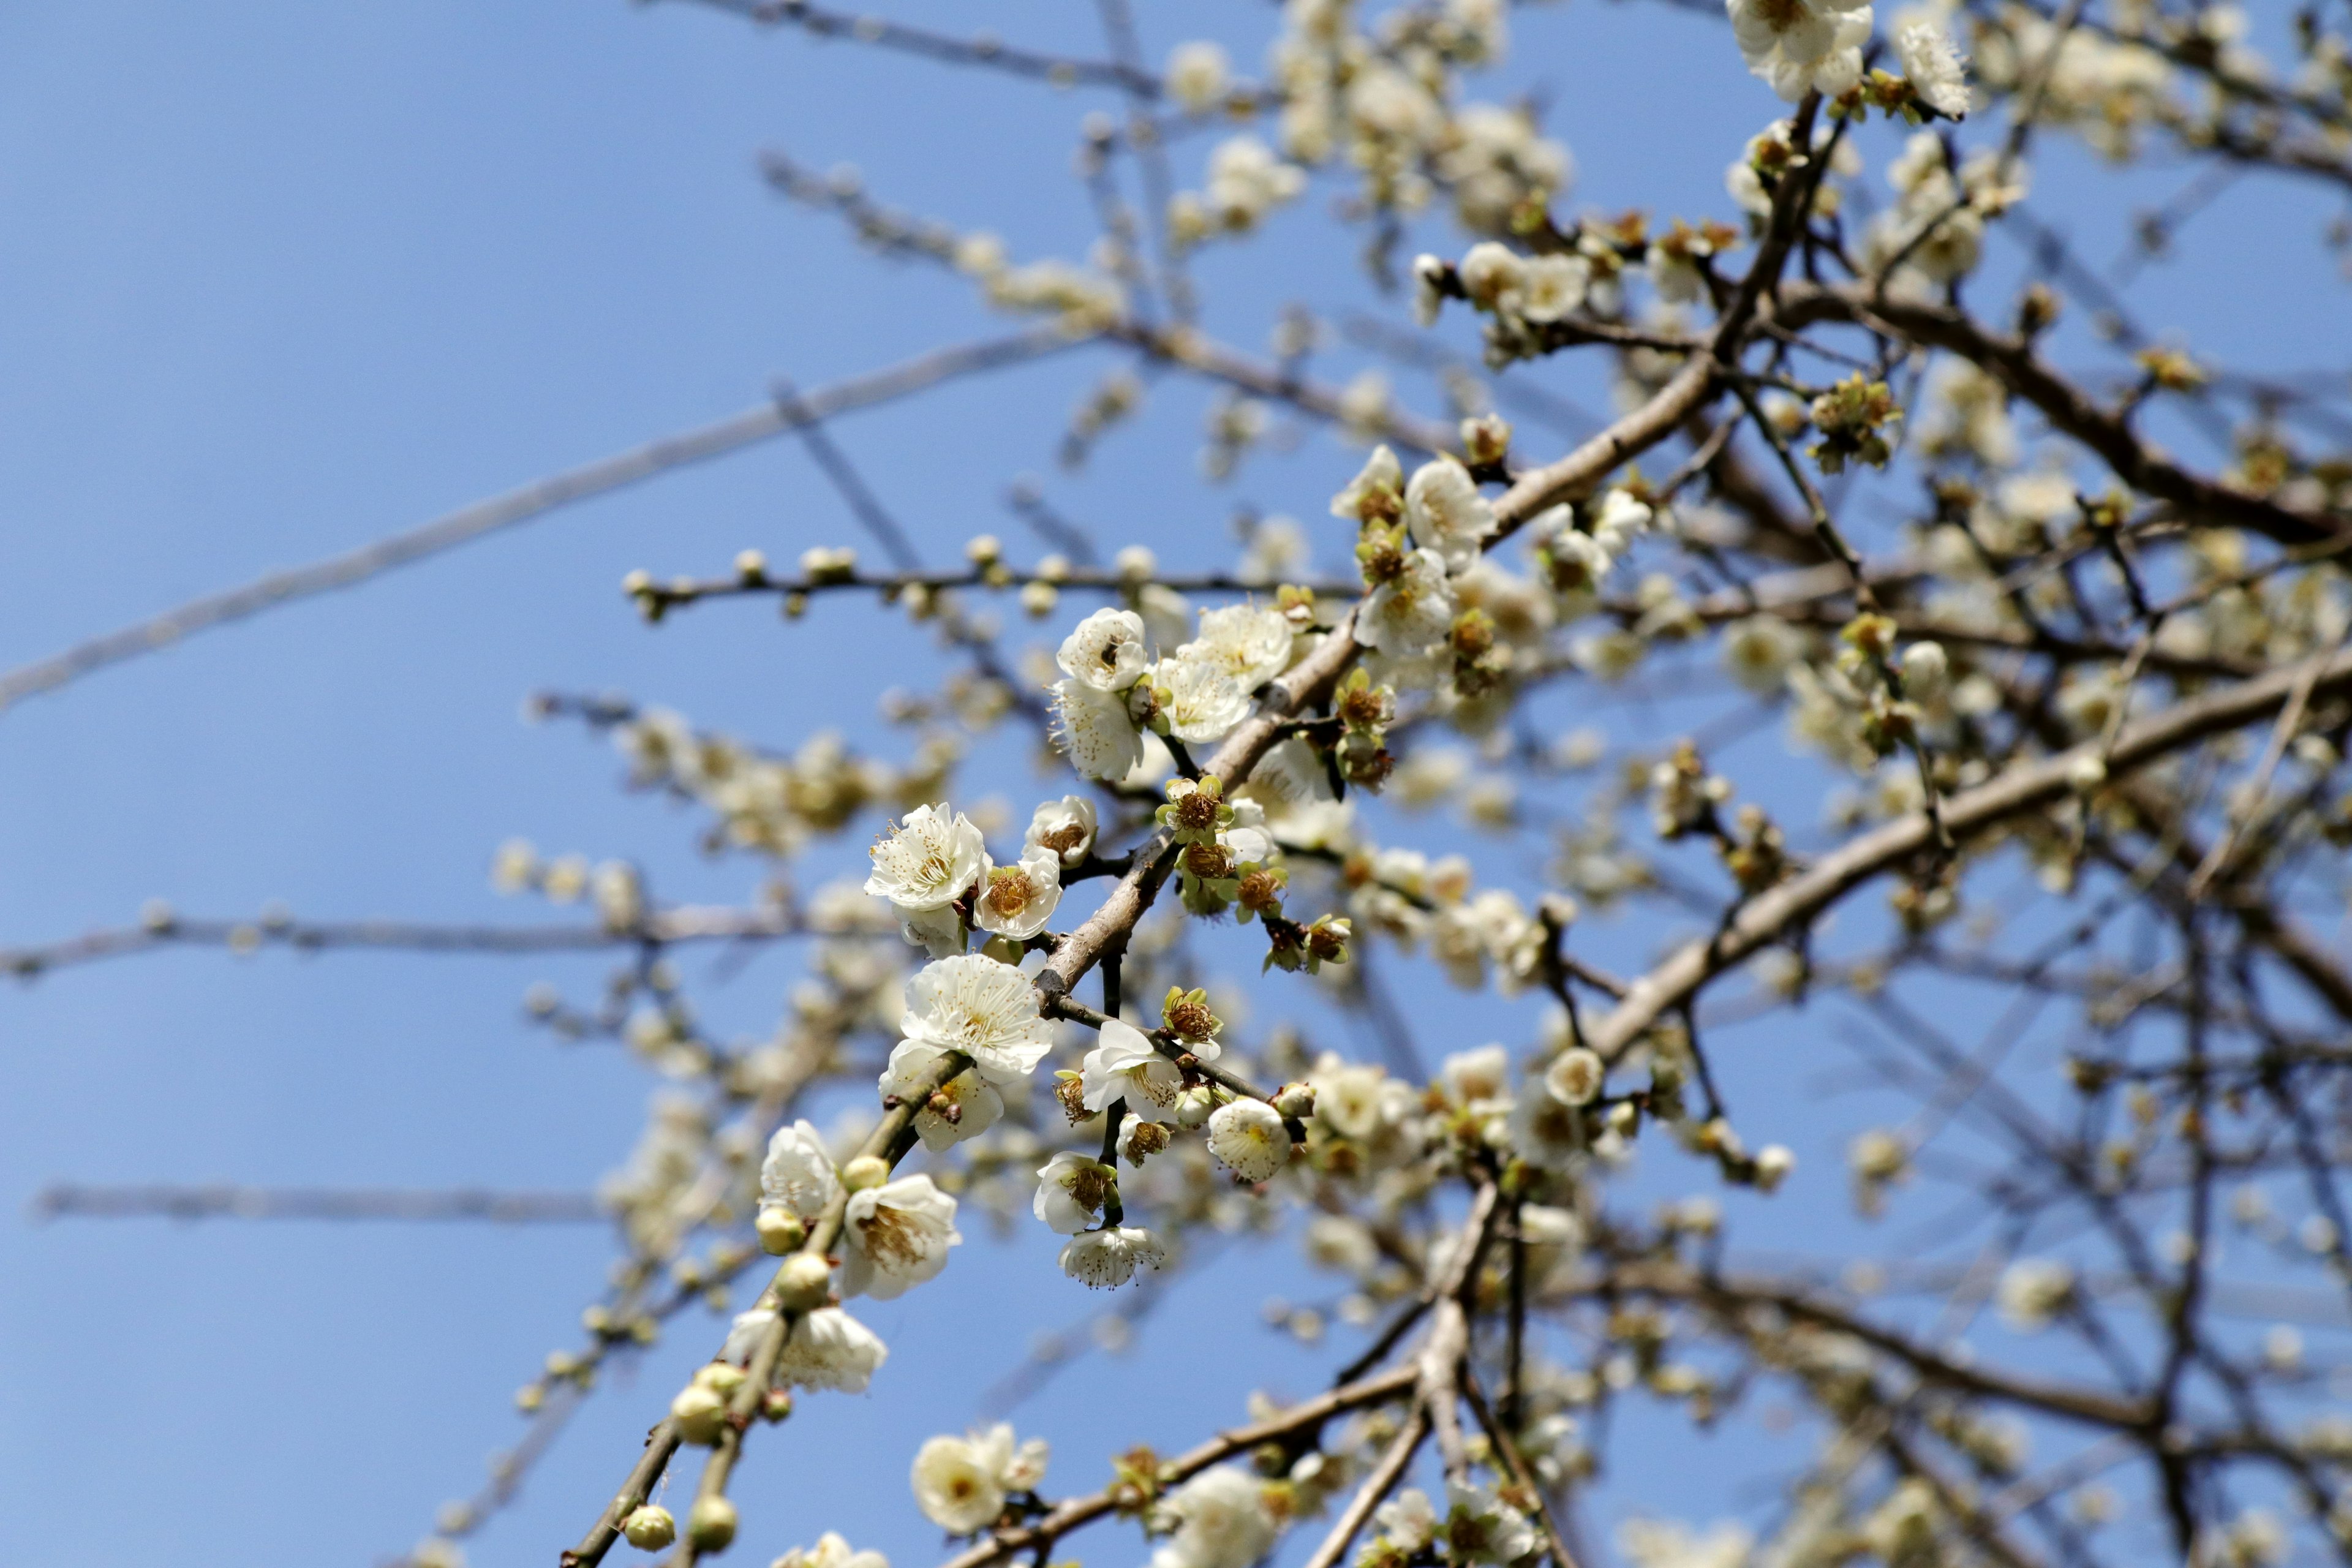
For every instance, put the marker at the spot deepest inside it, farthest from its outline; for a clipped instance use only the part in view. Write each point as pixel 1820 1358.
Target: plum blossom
pixel 1221 1522
pixel 928 860
pixel 895 1235
pixel 1105 1259
pixel 1249 1137
pixel 972 1105
pixel 1803 46
pixel 1106 652
pixel 1066 826
pixel 1411 612
pixel 961 1483
pixel 1071 1191
pixel 798 1174
pixel 1017 900
pixel 1127 1066
pixel 1444 512
pixel 985 1009
pixel 1251 642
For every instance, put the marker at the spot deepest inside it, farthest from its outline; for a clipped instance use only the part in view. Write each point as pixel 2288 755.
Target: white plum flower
pixel 1575 1075
pixel 1202 703
pixel 926 861
pixel 1066 826
pixel 973 1104
pixel 830 1349
pixel 940 932
pixel 797 1173
pixel 1251 642
pixel 1491 272
pixel 830 1551
pixel 985 1009
pixel 1248 1136
pixel 1222 1522
pixel 1411 612
pixel 1408 1520
pixel 1102 736
pixel 1377 492
pixel 1553 288
pixel 1547 1131
pixel 1104 1259
pixel 1071 1191
pixel 1125 1066
pixel 1938 76
pixel 2032 1292
pixel 896 1236
pixel 1480 1527
pixel 961 1483
pixel 1196 76
pixel 1803 46
pixel 1017 900
pixel 1106 652
pixel 1444 512
pixel 1621 516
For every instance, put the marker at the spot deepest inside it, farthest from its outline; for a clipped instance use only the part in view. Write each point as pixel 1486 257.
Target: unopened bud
pixel 779 1229
pixel 775 1404
pixel 804 1282
pixel 1193 1106
pixel 699 1413
pixel 721 1377
pixel 711 1526
pixel 650 1528
pixel 1296 1100
pixel 865 1171
pixel 751 565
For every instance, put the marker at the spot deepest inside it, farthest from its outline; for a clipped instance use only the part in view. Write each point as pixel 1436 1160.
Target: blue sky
pixel 283 279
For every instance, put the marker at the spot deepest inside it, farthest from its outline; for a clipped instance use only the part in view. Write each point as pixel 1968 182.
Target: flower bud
pixel 1193 1106
pixel 711 1526
pixel 700 1413
pixel 865 1171
pixel 721 1377
pixel 804 1282
pixel 775 1404
pixel 1296 1100
pixel 751 565
pixel 779 1229
pixel 650 1528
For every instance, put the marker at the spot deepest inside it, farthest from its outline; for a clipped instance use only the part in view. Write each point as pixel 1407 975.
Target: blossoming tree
pixel 2051 610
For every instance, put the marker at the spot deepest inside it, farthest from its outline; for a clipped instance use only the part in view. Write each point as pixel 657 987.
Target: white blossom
pixel 1490 272
pixel 1575 1075
pixel 2033 1291
pixel 1125 1066
pixel 1221 1522
pixel 1017 900
pixel 1553 286
pixel 1937 73
pixel 1376 492
pixel 1248 1136
pixel 1203 703
pixel 1096 727
pixel 961 1483
pixel 1803 46
pixel 895 1235
pixel 829 1348
pixel 1410 614
pixel 1066 826
pixel 1104 1259
pixel 1249 642
pixel 1480 1527
pixel 1106 652
pixel 830 1551
pixel 985 1009
pixel 976 1105
pixel 1408 1520
pixel 1196 75
pixel 1071 1191
pixel 1444 512
pixel 928 860
pixel 798 1174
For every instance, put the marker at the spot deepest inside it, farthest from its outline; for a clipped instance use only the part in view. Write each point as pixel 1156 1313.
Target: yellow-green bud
pixel 650 1528
pixel 865 1171
pixel 711 1526
pixel 779 1229
pixel 700 1413
pixel 804 1282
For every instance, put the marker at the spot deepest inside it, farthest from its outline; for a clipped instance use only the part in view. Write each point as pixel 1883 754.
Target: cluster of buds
pixel 1293 947
pixel 1365 711
pixel 1684 795
pixel 1856 419
pixel 1890 720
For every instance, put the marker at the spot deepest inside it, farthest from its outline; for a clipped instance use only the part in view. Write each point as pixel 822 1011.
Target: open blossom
pixel 1105 1259
pixel 1408 1520
pixel 897 1237
pixel 1249 1135
pixel 1444 512
pixel 797 1173
pixel 1221 1522
pixel 1125 1066
pixel 1017 900
pixel 827 1348
pixel 1575 1075
pixel 1480 1527
pixel 985 1009
pixel 1411 612
pixel 1196 76
pixel 972 1104
pixel 1803 46
pixel 1553 286
pixel 961 1483
pixel 1097 730
pixel 1106 652
pixel 2033 1291
pixel 1202 701
pixel 929 860
pixel 1251 642
pixel 1377 492
pixel 1066 826
pixel 1071 1191
pixel 1938 74
pixel 830 1551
